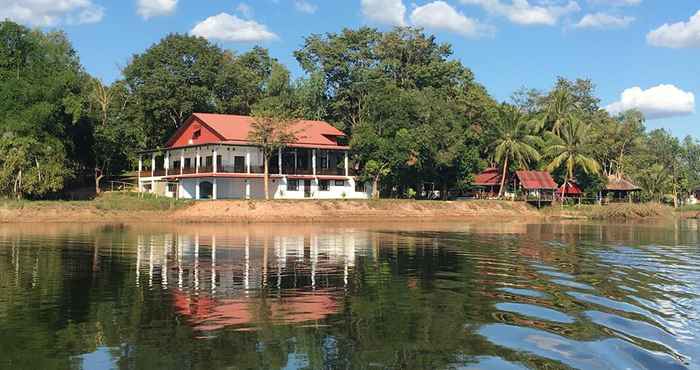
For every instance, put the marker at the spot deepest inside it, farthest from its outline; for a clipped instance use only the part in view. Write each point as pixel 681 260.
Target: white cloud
pixel 50 12
pixel 677 35
pixel 657 102
pixel 522 12
pixel 391 12
pixel 245 10
pixel 440 15
pixel 226 27
pixel 305 6
pixel 604 20
pixel 154 8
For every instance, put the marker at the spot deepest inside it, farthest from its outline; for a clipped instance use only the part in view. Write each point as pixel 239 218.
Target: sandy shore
pixel 281 212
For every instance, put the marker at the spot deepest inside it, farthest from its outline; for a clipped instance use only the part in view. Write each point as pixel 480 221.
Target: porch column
pixel 153 165
pixel 313 160
pixel 213 160
pixel 347 164
pixel 140 169
pixel 247 162
pixel 247 189
pixel 196 164
pixel 279 160
pixel 166 163
pixel 182 161
pixel 196 190
pixel 214 189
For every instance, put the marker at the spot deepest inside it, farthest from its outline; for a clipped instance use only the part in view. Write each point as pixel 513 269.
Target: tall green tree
pixel 570 150
pixel 514 142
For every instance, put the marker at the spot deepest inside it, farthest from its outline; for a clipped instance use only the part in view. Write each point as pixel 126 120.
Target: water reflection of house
pixel 225 280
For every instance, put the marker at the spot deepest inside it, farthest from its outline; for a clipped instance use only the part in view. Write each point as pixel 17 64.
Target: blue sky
pixel 648 48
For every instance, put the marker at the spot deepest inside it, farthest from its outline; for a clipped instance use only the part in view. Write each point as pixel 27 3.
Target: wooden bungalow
pixel 569 190
pixel 488 183
pixel 535 186
pixel 619 189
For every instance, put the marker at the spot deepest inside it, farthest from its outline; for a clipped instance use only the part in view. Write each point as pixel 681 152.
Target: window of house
pixel 210 161
pixel 324 185
pixel 239 164
pixel 339 182
pixel 172 188
pixel 188 162
pixel 293 185
pixel 176 165
pixel 360 187
pixel 196 134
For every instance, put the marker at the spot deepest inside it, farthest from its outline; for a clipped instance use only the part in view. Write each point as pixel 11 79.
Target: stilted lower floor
pixel 253 188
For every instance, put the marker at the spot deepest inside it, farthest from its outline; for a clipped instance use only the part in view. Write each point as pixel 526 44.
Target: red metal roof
pixel 571 189
pixel 235 129
pixel 490 177
pixel 533 180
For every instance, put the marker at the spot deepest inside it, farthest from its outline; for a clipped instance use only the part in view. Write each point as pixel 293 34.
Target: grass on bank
pixel 617 211
pixel 113 201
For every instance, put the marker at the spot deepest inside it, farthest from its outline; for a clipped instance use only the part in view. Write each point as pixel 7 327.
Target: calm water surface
pixel 446 296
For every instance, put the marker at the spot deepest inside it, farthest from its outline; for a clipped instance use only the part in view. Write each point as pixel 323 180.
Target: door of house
pixel 307 188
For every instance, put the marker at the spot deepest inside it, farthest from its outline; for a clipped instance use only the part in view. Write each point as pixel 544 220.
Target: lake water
pixel 394 296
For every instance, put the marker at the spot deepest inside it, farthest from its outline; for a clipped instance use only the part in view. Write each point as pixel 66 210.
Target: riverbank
pixel 128 208
pixel 131 208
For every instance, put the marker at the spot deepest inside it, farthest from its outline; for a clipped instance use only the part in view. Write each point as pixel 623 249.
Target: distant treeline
pixel 414 115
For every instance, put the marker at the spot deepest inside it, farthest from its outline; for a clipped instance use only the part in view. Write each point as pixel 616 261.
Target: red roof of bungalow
pixel 208 128
pixel 571 189
pixel 535 180
pixel 490 177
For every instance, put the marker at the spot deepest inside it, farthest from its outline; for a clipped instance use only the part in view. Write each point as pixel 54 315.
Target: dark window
pixel 293 185
pixel 360 187
pixel 339 182
pixel 210 161
pixel 196 134
pixel 172 188
pixel 324 185
pixel 324 158
pixel 239 164
pixel 188 162
pixel 176 165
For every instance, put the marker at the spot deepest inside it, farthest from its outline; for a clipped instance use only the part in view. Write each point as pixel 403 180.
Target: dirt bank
pixel 273 211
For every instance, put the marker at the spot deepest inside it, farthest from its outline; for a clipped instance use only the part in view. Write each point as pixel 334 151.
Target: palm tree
pixel 570 149
pixel 514 142
pixel 559 108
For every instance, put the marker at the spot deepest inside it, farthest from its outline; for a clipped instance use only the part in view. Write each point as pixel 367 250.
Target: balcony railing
pixel 331 171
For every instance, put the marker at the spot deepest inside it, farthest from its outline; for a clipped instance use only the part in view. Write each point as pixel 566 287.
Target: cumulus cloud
pixel 390 12
pixel 154 8
pixel 677 35
pixel 50 12
pixel 603 21
pixel 305 6
pixel 524 13
pixel 245 10
pixel 657 102
pixel 227 27
pixel 440 15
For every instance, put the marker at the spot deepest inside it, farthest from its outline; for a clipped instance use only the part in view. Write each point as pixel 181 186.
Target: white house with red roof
pixel 211 157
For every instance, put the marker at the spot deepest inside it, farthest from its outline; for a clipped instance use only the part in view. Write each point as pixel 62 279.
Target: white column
pixel 182 161
pixel 196 190
pixel 196 163
pixel 313 160
pixel 213 190
pixel 153 164
pixel 213 160
pixel 247 189
pixel 347 162
pixel 140 169
pixel 247 161
pixel 166 162
pixel 279 160
pixel 213 264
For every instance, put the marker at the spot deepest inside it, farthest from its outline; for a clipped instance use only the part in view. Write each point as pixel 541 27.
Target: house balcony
pixel 330 171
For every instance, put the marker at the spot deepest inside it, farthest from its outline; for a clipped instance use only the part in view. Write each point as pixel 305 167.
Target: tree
pixel 570 149
pixel 514 142
pixel 271 131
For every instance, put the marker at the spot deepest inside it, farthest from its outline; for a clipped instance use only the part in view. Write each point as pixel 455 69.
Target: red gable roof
pixel 571 189
pixel 533 180
pixel 490 177
pixel 234 129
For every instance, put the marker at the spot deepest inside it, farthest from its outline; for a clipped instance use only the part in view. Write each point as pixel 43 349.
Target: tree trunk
pixel 267 178
pixel 444 191
pixel 503 178
pixel 98 179
pixel 375 187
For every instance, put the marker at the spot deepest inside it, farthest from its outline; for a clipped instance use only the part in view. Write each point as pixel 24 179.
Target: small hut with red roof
pixel 569 190
pixel 536 185
pixel 488 183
